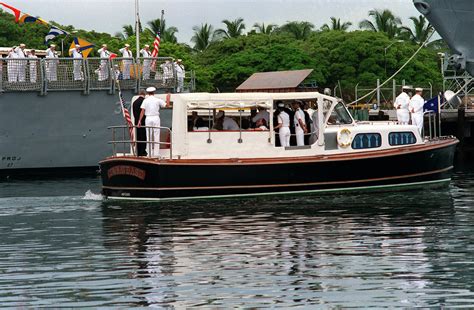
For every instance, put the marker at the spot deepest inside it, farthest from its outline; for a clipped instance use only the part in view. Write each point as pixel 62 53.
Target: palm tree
pixel 299 30
pixel 234 28
pixel 261 28
pixel 203 36
pixel 167 34
pixel 384 21
pixel 128 31
pixel 336 25
pixel 422 30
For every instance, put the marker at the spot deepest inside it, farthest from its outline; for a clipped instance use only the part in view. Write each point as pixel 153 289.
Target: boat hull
pixel 403 168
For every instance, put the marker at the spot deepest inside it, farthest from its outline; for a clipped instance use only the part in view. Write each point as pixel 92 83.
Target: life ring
pixel 344 137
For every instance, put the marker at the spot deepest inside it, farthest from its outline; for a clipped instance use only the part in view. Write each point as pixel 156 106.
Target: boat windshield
pixel 339 115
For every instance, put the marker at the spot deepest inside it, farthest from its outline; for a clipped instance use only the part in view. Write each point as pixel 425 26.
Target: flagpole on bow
pixel 137 29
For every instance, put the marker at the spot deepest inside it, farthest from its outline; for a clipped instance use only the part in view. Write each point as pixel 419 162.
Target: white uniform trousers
pixel 146 69
pixel 12 70
pixel 299 136
pixel 77 70
pixel 52 70
pixel 285 135
pixel 153 135
pixel 403 116
pixel 33 73
pixel 21 70
pixel 103 70
pixel 417 120
pixel 126 69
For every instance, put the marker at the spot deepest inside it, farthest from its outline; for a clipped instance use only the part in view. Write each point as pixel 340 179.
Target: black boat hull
pixel 404 168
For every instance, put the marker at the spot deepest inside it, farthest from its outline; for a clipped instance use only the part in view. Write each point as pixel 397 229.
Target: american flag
pixel 156 50
pixel 156 45
pixel 127 117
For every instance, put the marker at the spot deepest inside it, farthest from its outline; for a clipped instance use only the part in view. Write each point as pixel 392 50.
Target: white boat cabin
pixel 333 130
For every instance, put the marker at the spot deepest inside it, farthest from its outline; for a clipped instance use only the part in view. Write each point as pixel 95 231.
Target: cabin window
pixel 339 115
pixel 401 138
pixel 366 141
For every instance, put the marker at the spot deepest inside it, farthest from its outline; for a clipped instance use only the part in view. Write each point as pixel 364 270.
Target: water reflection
pixel 357 251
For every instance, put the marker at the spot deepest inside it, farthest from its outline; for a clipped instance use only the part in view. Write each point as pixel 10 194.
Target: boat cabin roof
pixel 239 100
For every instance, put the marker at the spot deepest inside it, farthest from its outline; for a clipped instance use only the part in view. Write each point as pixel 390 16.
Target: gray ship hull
pixel 63 130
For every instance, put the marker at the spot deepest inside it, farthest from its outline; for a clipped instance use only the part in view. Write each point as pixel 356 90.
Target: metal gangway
pixel 91 74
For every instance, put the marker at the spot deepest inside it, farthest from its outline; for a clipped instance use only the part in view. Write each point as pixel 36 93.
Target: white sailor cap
pixel 104 45
pixel 281 105
pixel 418 89
pixel 52 45
pixel 22 45
pixel 146 45
pixel 150 89
pixel 127 45
pixel 179 60
pixel 406 87
pixel 77 45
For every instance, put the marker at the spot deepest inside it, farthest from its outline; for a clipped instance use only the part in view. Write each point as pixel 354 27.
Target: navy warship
pixel 58 122
pixel 454 21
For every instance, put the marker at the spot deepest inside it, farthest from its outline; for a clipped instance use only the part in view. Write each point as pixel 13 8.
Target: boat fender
pixel 344 137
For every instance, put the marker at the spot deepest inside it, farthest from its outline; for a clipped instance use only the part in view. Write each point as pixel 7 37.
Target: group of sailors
pixel 20 60
pixel 294 126
pixel 17 69
pixel 410 107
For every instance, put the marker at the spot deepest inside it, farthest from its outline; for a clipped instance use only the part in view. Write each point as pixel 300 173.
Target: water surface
pixel 62 245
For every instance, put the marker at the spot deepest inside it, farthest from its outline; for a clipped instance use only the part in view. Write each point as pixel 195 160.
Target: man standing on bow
pixel 77 63
pixel 20 52
pixel 180 72
pixel 151 109
pixel 401 105
pixel 146 55
pixel 103 68
pixel 51 64
pixel 127 61
pixel 33 62
pixel 416 109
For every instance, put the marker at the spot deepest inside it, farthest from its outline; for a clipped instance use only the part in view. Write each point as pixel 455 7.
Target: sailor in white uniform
pixel 21 65
pixel 146 55
pixel 401 105
pixel 416 109
pixel 33 62
pixel 283 126
pixel 51 63
pixel 151 109
pixel 180 73
pixel 77 67
pixel 127 63
pixel 103 68
pixel 300 124
pixel 12 66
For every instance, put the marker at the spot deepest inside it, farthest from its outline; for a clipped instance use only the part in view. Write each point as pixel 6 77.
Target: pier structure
pixel 45 75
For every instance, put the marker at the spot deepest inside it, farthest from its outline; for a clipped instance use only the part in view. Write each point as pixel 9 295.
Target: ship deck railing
pixel 123 145
pixel 91 74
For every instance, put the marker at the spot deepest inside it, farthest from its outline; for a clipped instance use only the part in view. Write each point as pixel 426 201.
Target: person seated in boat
pixel 262 113
pixel 193 120
pixel 261 125
pixel 200 125
pixel 225 123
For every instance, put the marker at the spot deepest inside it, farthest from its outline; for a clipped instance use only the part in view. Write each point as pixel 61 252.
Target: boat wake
pixel 89 195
